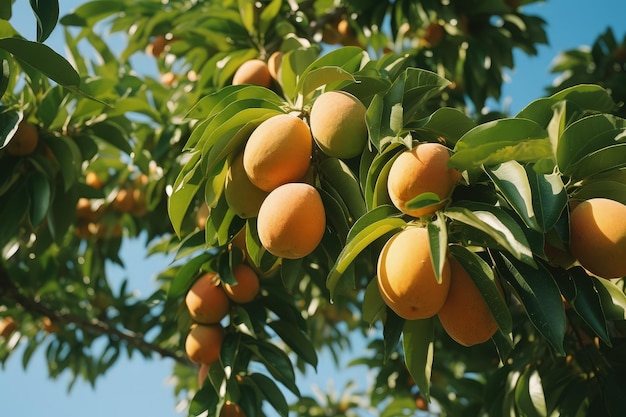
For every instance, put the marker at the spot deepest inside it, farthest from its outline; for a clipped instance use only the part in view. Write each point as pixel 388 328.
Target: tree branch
pixel 99 327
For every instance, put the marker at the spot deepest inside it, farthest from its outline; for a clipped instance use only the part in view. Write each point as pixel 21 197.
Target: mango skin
pixel 598 237
pixel 338 124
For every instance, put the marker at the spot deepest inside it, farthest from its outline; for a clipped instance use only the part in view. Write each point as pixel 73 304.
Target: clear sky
pixel 138 387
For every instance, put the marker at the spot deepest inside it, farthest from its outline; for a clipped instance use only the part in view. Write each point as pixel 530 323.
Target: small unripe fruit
pixel 338 124
pixel 204 342
pixel 419 170
pixel 278 151
pixel 206 300
pixel 254 71
pixel 598 237
pixel 292 221
pixel 25 140
pixel 406 277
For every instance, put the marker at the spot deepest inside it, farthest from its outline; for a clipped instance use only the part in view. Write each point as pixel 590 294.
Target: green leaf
pixel 186 186
pixel 438 239
pixel 271 392
pixel 419 349
pixel 538 292
pixel 423 200
pixel 613 190
pixel 42 58
pixel 296 340
pixel 320 77
pixel 529 395
pixel 268 14
pixel 587 135
pixel 445 122
pixel 377 173
pixel 483 276
pixel 549 197
pixel 47 14
pixel 113 133
pixel 584 299
pixel 585 96
pixel 276 362
pixel 187 274
pixel 603 160
pixel 91 11
pixel 248 15
pixel 292 68
pixel 40 197
pixel 368 232
pixel 512 182
pixel 501 141
pixel 9 122
pixel 612 298
pixel 497 224
pixel 373 305
pixel 346 184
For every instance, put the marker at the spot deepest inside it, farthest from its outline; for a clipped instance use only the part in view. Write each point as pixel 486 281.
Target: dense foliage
pixel 117 153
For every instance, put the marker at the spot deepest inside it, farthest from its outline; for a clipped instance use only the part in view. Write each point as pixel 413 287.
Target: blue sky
pixel 139 388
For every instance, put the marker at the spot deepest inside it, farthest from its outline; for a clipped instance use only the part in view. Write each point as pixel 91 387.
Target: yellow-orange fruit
pixel 292 221
pixel 273 64
pixel 254 71
pixel 406 277
pixel 419 170
pixel 123 200
pixel 48 325
pixel 278 151
pixel 338 124
pixel 204 342
pixel 598 237
pixel 93 180
pixel 243 197
pixel 230 409
pixel 247 285
pixel 140 205
pixel 168 79
pixel 86 211
pixel 7 327
pixel 206 300
pixel 465 315
pixel 25 140
pixel 202 215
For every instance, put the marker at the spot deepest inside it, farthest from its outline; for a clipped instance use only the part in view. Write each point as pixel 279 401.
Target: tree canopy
pixel 282 150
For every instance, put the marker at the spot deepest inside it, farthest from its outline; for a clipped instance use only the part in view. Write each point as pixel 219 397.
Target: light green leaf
pixel 373 305
pixel 501 141
pixel 186 186
pixel 529 395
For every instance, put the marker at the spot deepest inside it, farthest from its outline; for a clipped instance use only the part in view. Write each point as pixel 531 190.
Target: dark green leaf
pixel 271 392
pixel 549 197
pixel 419 349
pixel 540 296
pixel 296 340
pixel 40 197
pixel 42 58
pixel 47 13
pixel 187 274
